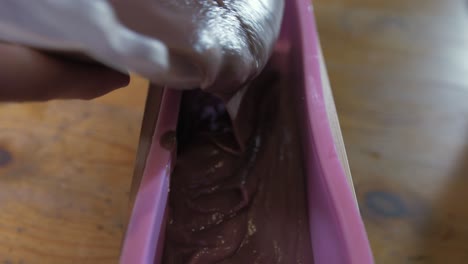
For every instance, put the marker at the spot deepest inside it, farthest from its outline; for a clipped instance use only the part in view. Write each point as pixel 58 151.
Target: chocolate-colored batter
pixel 238 191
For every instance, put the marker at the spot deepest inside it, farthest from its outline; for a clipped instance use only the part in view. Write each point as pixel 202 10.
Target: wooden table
pixel 399 73
pixel 65 171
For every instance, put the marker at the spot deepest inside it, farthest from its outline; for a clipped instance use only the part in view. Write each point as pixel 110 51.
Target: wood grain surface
pixel 65 173
pixel 399 74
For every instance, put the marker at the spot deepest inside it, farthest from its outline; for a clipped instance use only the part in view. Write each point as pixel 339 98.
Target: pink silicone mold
pixel 337 231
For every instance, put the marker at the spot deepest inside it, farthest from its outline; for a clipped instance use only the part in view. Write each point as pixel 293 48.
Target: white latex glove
pixel 184 44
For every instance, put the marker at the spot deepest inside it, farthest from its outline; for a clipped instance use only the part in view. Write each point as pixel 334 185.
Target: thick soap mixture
pixel 238 192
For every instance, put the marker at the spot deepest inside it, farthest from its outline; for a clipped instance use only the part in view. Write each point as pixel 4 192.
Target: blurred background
pixel 399 74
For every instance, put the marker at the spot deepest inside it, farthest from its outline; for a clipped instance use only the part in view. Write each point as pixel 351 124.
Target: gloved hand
pixel 217 45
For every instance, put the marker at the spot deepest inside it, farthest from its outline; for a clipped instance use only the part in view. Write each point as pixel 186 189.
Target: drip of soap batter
pixel 238 188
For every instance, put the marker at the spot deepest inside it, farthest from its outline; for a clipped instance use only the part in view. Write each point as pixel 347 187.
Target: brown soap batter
pixel 239 199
